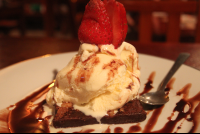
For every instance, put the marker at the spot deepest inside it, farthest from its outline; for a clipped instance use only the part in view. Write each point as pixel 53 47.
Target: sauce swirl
pixel 26 116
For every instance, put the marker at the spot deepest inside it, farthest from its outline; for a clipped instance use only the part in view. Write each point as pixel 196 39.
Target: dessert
pixel 100 84
pixel 122 75
pixel 131 112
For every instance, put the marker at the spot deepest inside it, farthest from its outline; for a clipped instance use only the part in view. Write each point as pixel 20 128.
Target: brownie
pixel 68 117
pixel 131 112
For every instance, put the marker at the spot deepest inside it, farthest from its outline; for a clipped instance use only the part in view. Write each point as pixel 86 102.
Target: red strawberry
pixel 103 23
pixel 117 15
pixel 95 26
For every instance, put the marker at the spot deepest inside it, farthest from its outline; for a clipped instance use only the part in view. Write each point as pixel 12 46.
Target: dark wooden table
pixel 13 50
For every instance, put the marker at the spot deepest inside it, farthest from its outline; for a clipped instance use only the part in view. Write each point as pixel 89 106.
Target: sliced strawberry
pixel 95 26
pixel 123 21
pixel 104 22
pixel 117 15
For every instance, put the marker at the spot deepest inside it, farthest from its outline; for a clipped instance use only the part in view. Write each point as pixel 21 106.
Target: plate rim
pixel 50 55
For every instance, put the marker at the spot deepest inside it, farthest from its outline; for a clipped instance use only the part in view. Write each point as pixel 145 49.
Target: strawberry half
pixel 104 22
pixel 117 15
pixel 95 26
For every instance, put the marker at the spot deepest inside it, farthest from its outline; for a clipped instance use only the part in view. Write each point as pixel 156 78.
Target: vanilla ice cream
pixel 98 79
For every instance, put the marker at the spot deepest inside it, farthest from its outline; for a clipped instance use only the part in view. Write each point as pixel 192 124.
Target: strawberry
pixel 104 22
pixel 95 26
pixel 117 15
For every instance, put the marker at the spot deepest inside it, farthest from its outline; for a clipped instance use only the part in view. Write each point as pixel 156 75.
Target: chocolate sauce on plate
pixel 86 131
pixel 108 130
pixel 24 119
pixel 118 130
pixel 134 129
pixel 60 131
pixel 4 121
pixel 27 116
pixel 148 86
pixel 193 102
pixel 153 120
pixel 170 125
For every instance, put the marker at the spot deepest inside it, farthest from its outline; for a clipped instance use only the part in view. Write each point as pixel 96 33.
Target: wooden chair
pixel 174 8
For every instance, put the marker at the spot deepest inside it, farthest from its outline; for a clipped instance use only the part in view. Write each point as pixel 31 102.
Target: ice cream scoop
pixel 98 79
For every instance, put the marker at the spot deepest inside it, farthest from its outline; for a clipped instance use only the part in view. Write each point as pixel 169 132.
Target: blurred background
pixel 61 19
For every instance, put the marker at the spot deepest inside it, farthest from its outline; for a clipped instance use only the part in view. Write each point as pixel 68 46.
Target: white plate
pixel 19 80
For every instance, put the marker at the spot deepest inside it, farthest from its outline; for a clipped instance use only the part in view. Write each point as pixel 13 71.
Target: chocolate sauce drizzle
pixel 22 119
pixel 148 86
pixel 134 129
pixel 86 131
pixel 193 102
pixel 4 121
pixel 108 130
pixel 170 125
pixel 118 130
pixel 60 131
pixel 27 117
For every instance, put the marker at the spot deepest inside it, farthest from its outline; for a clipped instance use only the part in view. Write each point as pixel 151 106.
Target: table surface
pixel 14 50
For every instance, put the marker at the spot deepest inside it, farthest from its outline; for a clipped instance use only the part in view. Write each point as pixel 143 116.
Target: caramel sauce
pixel 85 73
pixel 113 54
pixel 137 78
pixel 131 58
pixel 130 86
pixel 69 74
pixel 113 67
